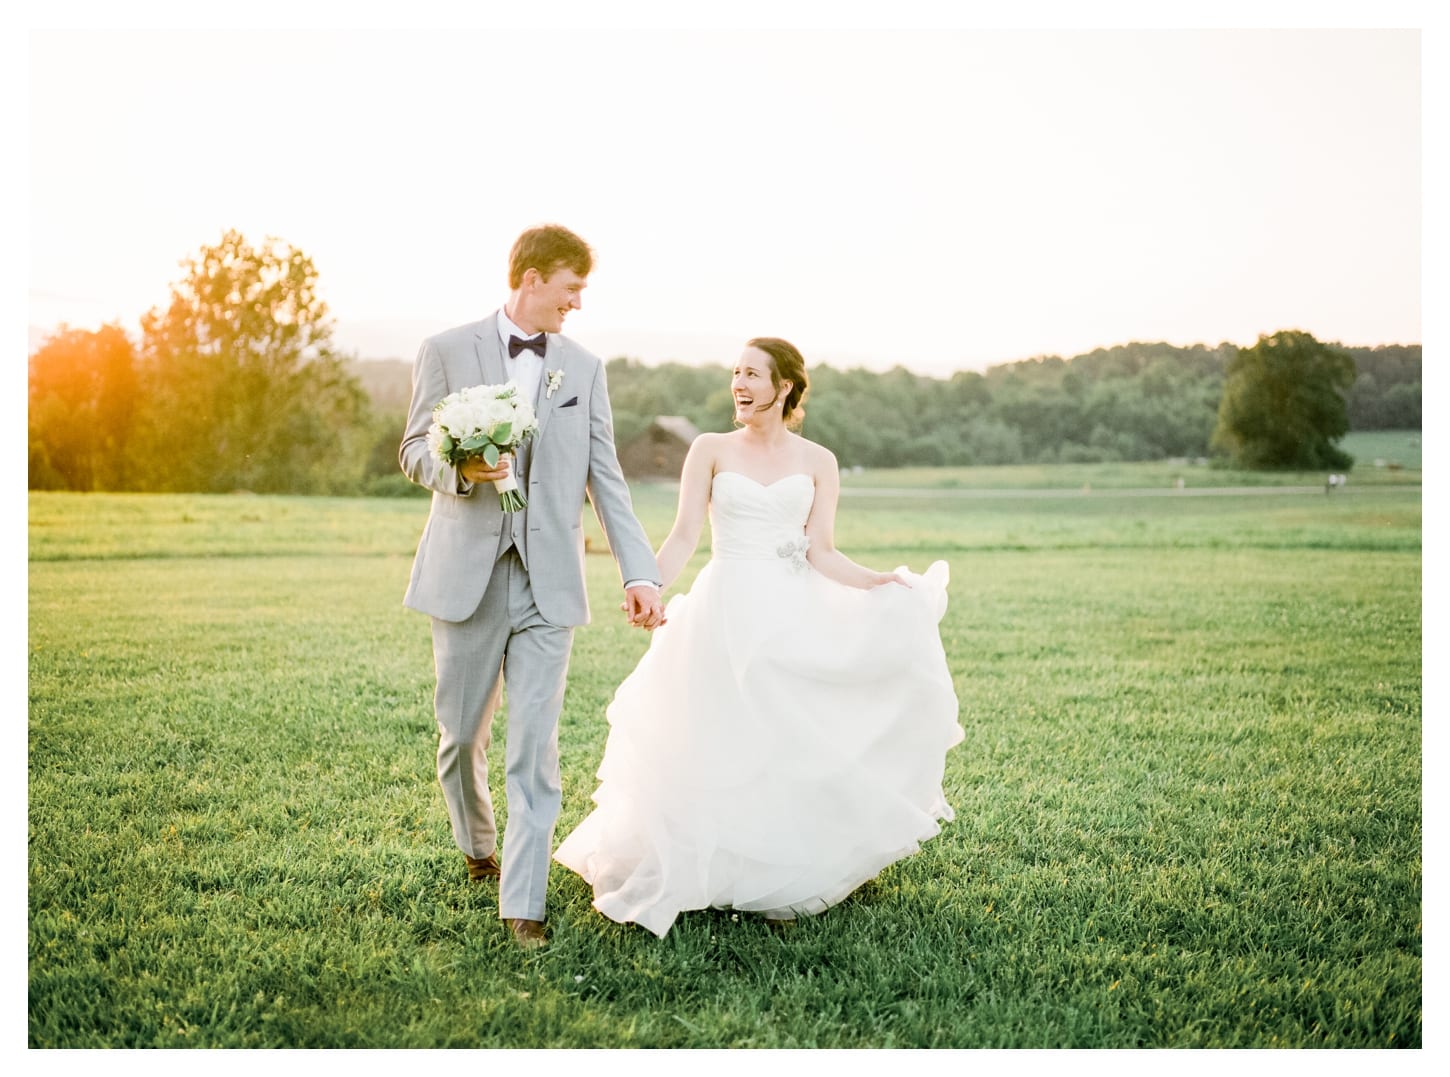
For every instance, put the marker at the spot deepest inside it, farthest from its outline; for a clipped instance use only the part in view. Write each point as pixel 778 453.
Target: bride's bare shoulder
pixel 708 442
pixel 706 450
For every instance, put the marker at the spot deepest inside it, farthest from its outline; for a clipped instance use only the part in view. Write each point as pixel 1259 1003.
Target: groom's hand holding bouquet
pixel 488 423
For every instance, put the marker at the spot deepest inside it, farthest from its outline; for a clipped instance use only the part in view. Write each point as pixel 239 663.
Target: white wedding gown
pixel 783 738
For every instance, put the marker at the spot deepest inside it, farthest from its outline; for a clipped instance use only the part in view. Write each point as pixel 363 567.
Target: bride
pixel 783 738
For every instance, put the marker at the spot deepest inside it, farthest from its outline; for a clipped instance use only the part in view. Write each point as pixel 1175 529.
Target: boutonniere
pixel 556 379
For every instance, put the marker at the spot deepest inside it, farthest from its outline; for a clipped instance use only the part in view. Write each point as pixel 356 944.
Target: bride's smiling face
pixel 753 386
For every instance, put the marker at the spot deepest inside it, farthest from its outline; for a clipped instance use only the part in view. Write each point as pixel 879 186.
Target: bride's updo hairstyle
pixel 786 364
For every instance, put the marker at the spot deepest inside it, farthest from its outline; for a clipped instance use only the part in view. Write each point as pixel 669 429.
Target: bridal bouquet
pixel 487 421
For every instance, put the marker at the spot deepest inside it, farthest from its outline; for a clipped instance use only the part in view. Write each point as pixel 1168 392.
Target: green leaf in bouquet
pixel 490 454
pixel 501 433
pixel 474 443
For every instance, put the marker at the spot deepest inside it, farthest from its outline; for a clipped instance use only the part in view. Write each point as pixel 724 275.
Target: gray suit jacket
pixel 571 456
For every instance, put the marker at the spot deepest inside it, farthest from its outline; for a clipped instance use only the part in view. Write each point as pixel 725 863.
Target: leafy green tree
pixel 991 441
pixel 1401 407
pixel 243 389
pixel 638 394
pixel 1386 395
pixel 1283 404
pixel 82 409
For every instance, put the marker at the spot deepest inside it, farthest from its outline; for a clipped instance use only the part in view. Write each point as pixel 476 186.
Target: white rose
pixel 455 416
pixel 524 416
pixel 496 411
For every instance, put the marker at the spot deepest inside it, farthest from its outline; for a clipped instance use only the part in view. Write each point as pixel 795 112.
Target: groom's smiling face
pixel 544 303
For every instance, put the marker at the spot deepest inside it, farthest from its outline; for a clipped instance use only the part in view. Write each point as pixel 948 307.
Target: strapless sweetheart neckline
pixel 767 485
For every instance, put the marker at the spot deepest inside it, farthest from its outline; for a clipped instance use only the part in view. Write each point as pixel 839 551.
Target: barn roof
pixel 677 425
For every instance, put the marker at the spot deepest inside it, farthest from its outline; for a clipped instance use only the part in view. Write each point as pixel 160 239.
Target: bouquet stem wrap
pixel 510 497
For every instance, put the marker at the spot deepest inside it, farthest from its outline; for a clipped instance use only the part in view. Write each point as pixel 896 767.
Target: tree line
pixel 235 385
pixel 1131 402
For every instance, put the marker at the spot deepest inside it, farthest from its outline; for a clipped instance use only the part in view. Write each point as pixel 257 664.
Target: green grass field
pixel 1188 802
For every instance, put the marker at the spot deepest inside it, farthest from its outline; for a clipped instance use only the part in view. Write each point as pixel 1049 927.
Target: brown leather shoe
pixel 528 933
pixel 487 868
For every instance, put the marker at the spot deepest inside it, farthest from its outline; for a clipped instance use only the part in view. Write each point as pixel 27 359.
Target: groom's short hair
pixel 547 248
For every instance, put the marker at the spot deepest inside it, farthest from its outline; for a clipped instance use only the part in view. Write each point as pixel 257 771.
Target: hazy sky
pixel 941 198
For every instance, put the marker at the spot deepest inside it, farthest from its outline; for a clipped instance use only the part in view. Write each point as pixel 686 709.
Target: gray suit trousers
pixel 506 642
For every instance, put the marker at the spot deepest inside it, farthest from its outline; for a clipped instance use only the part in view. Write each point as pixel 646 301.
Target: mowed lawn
pixel 1188 802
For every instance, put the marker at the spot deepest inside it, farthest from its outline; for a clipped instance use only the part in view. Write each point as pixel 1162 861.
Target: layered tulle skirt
pixel 781 742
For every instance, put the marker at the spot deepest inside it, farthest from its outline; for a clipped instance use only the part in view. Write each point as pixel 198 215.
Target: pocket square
pixel 570 402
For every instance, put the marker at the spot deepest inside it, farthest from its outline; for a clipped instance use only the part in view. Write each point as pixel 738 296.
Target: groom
pixel 505 590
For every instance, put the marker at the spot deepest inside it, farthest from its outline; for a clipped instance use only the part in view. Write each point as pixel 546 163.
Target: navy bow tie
pixel 534 344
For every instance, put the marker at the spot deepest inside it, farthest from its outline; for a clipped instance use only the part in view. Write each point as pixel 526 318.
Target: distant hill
pixel 1386 394
pixel 389 382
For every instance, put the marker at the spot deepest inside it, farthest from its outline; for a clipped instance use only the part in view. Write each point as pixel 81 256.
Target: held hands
pixel 642 604
pixel 477 471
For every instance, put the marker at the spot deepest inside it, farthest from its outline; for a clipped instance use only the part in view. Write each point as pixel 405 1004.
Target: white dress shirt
pixel 526 369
